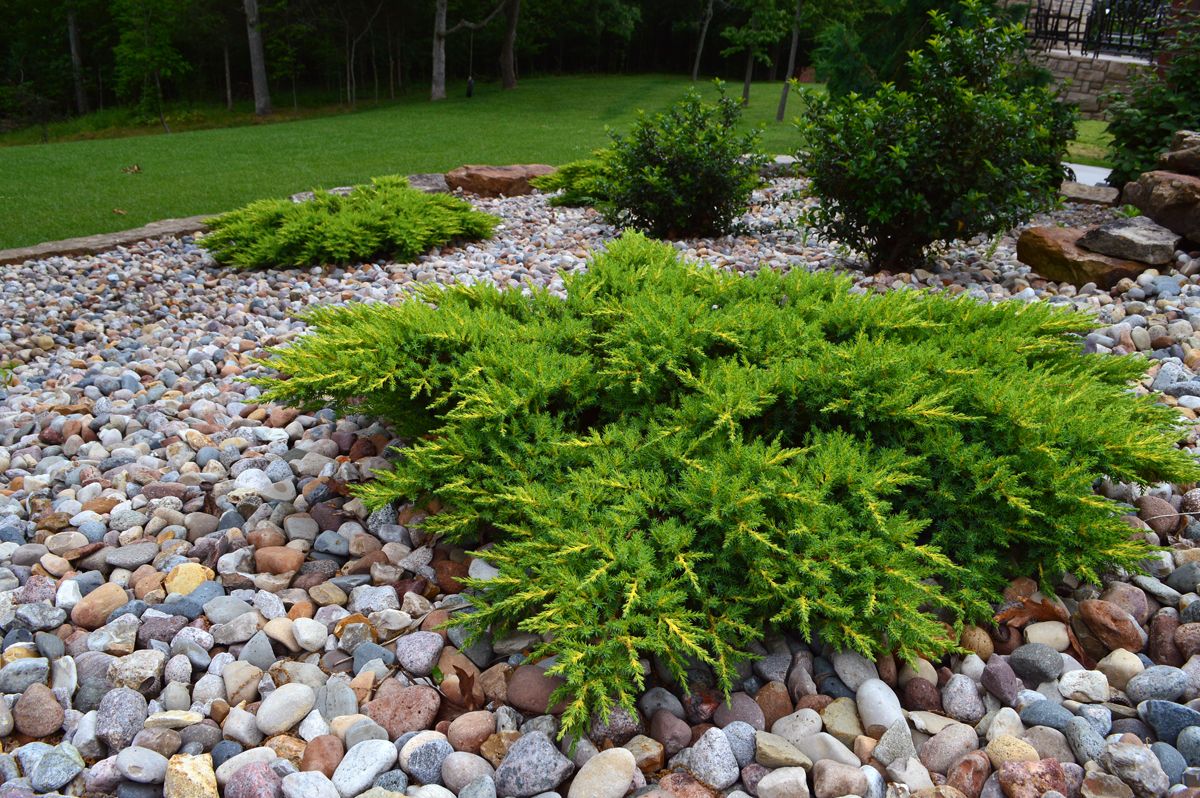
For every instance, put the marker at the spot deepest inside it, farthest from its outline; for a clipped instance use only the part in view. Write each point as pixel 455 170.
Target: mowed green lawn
pixel 67 189
pixel 61 190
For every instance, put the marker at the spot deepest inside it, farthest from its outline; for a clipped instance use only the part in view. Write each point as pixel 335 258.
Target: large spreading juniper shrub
pixel 674 459
pixel 974 146
pixel 387 218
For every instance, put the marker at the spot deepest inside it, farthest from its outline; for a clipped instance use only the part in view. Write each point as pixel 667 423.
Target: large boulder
pixel 1140 238
pixel 1054 253
pixel 1169 198
pixel 495 181
pixel 1184 155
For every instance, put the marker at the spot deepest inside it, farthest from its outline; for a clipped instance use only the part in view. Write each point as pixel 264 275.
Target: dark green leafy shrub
pixel 683 172
pixel 385 219
pixel 674 458
pixel 973 148
pixel 581 182
pixel 1159 101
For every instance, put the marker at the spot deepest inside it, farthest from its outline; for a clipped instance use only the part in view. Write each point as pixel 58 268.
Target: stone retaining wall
pixel 1086 78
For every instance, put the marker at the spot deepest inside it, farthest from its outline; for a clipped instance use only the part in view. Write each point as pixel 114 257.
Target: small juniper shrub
pixel 387 218
pixel 683 172
pixel 579 183
pixel 675 459
pixel 973 147
pixel 1159 101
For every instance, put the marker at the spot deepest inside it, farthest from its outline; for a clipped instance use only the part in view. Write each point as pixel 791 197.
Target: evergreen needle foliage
pixel 388 219
pixel 581 182
pixel 675 459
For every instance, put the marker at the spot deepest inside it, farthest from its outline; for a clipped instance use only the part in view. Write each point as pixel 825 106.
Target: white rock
pixel 361 765
pixel 285 707
pixel 878 705
pixel 310 635
pixel 308 784
pixel 1086 686
pixel 784 783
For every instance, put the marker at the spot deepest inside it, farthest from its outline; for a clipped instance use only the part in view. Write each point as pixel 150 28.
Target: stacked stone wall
pixel 1085 79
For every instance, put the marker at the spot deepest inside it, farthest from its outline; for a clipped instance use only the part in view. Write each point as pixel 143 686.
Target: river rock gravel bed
pixel 192 606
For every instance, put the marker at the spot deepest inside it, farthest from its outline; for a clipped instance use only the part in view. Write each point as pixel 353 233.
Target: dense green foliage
pixel 969 149
pixel 385 219
pixel 1158 103
pixel 675 459
pixel 872 47
pixel 686 171
pixel 580 183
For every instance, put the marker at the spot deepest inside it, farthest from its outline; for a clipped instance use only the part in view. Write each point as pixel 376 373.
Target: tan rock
pixel 1053 253
pixel 494 181
pixel 186 577
pixel 1169 198
pixel 93 609
pixel 1007 748
pixel 190 777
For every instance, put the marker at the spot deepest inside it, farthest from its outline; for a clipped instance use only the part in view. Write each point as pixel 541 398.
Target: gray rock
pixel 482 787
pixel 1084 740
pixel 712 760
pixel 142 765
pixel 120 716
pixel 534 765
pixel 961 700
pixel 741 736
pixel 1137 766
pixel 1036 663
pixel 425 761
pixel 1138 238
pixel 56 768
pixel 418 652
pixel 1161 682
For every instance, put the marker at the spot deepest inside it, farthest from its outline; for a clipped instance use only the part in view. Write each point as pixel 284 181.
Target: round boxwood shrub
pixel 675 460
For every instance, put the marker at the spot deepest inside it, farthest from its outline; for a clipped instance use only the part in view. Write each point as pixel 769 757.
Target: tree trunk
pixel 391 61
pixel 437 90
pixel 349 71
pixel 749 76
pixel 791 69
pixel 159 97
pixel 508 67
pixel 228 81
pixel 258 61
pixel 81 100
pixel 374 69
pixel 708 12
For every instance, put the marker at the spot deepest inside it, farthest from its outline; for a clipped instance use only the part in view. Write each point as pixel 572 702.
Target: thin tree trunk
pixel 258 61
pixel 81 100
pixel 708 12
pixel 791 68
pixel 508 67
pixel 437 90
pixel 391 63
pixel 349 70
pixel 228 81
pixel 749 76
pixel 159 96
pixel 100 86
pixel 374 69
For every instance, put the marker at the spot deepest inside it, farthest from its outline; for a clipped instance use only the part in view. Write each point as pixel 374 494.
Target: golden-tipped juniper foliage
pixel 675 459
pixel 387 218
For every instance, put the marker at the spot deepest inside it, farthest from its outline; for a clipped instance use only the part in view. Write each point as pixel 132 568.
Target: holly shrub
pixel 675 460
pixel 683 172
pixel 973 147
